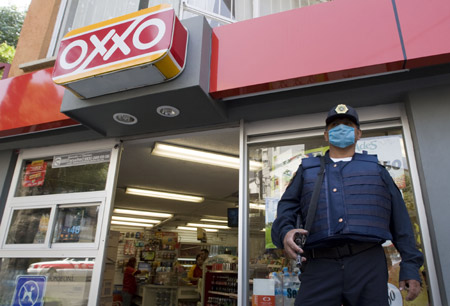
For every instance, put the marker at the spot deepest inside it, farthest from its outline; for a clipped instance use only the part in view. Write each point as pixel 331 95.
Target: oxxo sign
pixel 139 49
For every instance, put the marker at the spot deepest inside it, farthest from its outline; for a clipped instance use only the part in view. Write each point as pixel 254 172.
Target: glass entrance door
pixel 281 159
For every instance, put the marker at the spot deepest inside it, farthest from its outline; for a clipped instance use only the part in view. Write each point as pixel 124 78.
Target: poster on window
pixel 35 174
pixel 271 214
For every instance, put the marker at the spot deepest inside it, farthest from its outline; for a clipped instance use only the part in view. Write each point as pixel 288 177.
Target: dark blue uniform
pixel 359 208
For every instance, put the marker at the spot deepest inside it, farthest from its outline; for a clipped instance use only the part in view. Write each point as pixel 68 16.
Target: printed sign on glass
pixel 30 290
pixel 35 174
pixel 78 159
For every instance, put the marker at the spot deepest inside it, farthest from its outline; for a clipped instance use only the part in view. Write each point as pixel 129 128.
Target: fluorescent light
pixel 132 223
pixel 258 206
pixel 214 220
pixel 186 228
pixel 203 157
pixel 208 225
pixel 185 259
pixel 117 218
pixel 142 213
pixel 164 195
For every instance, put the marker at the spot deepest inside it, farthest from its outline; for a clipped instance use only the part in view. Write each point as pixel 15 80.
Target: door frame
pixel 373 117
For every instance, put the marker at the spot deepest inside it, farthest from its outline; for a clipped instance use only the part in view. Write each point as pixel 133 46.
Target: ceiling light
pixel 208 225
pixel 117 218
pixel 142 213
pixel 214 220
pixel 186 228
pixel 132 223
pixel 164 195
pixel 198 156
pixel 167 111
pixel 257 206
pixel 124 118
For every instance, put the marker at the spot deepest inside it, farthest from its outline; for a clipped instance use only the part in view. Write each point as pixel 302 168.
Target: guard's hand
pixel 290 247
pixel 413 288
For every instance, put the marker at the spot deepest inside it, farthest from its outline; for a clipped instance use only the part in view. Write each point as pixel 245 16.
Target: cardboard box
pixel 106 301
pixel 108 272
pixel 111 254
pixel 107 288
pixel 113 238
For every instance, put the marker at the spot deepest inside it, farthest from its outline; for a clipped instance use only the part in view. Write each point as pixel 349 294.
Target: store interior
pixel 166 250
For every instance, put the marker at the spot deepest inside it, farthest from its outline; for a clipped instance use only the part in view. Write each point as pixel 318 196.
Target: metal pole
pixel 243 260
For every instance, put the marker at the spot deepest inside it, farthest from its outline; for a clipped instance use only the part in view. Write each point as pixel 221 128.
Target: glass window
pixel 59 281
pixel 267 7
pixel 28 226
pixel 80 13
pixel 281 160
pixel 76 224
pixel 174 3
pixel 225 9
pixel 79 172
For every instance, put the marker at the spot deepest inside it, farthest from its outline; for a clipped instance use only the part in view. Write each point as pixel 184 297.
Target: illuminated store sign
pixel 139 49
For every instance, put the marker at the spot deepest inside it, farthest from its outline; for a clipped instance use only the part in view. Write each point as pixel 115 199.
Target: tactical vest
pixel 364 198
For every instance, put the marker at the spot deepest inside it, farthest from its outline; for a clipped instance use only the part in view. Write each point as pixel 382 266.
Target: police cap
pixel 342 111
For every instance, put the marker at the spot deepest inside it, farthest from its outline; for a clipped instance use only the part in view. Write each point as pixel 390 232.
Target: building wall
pixel 428 112
pixel 35 36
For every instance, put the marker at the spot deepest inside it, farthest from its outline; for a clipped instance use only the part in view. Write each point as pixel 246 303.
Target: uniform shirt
pixel 129 281
pixel 194 273
pixel 400 224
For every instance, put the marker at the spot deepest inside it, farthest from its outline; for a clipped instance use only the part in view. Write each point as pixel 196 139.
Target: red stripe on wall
pixel 319 43
pixel 31 103
pixel 425 29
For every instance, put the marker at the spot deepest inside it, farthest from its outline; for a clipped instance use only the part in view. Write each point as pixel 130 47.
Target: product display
pixel 220 281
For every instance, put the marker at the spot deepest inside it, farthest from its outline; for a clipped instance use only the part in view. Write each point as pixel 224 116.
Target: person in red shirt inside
pixel 129 282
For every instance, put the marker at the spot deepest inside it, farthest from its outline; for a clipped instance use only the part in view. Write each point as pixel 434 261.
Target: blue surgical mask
pixel 342 136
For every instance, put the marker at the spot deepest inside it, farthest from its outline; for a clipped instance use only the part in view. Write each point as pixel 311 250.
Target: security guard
pixel 359 207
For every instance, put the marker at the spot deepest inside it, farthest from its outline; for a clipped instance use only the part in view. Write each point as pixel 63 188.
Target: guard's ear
pixel 325 135
pixel 358 134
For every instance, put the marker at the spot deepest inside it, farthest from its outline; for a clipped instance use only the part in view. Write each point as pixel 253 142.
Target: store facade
pixel 271 81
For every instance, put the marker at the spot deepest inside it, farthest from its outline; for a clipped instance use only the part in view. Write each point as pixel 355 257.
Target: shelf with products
pixel 231 295
pixel 156 254
pixel 219 286
pixel 166 255
pixel 161 295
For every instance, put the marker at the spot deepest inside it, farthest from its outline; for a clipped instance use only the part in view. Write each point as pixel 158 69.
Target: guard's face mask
pixel 342 136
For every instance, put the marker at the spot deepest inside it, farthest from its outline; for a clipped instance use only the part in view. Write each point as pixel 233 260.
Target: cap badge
pixel 341 109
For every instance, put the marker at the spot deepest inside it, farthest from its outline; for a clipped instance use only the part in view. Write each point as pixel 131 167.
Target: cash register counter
pixel 160 295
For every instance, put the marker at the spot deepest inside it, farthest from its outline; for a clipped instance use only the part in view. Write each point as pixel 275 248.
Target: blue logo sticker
pixel 30 290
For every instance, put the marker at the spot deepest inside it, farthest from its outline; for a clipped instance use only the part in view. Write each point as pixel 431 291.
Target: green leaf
pixel 6 53
pixel 11 21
